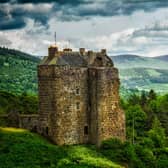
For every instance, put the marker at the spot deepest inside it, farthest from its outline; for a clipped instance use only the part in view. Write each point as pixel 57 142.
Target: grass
pixel 20 148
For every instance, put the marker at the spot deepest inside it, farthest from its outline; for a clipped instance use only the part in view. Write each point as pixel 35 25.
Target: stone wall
pixel 107 119
pixel 26 121
pixel 63 99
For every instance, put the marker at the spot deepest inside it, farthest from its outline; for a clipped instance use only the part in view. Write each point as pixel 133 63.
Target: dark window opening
pixel 34 129
pixel 86 130
pixel 77 105
pixel 99 58
pixel 46 130
pixel 77 91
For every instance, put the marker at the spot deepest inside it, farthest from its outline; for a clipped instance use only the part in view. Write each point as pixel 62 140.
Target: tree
pixel 134 99
pixel 157 134
pixel 135 121
pixel 143 99
pixel 152 95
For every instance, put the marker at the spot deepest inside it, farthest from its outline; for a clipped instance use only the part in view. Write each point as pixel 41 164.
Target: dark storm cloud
pixel 14 13
pixel 72 2
pixel 12 24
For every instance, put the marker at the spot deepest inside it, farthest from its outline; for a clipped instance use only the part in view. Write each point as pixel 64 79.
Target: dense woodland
pixel 18 71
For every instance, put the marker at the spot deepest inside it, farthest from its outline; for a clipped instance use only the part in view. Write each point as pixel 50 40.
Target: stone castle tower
pixel 79 97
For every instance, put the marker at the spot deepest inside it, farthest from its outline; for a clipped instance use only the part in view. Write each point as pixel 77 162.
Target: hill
pixel 18 71
pixel 163 58
pixel 143 73
pixel 145 79
pixel 135 61
pixel 20 148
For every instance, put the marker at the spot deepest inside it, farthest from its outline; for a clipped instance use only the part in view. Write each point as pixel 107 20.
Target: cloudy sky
pixel 120 26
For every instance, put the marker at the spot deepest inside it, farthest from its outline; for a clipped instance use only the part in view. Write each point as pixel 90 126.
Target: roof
pixel 66 58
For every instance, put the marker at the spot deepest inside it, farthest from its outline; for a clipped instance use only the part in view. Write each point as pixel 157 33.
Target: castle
pixel 79 97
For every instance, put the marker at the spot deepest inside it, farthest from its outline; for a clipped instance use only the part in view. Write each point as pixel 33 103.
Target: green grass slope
pixel 19 148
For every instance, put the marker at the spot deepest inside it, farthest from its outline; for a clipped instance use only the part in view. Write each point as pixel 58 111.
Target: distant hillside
pixel 163 58
pixel 145 79
pixel 142 73
pixel 134 61
pixel 18 71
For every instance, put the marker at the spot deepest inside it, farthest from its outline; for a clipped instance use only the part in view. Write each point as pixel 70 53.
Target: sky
pixel 121 26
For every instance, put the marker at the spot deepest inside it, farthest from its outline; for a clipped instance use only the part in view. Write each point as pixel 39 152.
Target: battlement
pixel 81 58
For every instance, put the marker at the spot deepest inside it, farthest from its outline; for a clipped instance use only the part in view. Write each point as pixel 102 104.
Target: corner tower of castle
pixel 79 97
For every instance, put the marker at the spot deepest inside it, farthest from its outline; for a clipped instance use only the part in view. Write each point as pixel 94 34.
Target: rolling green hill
pixel 143 73
pixel 134 61
pixel 19 148
pixel 145 79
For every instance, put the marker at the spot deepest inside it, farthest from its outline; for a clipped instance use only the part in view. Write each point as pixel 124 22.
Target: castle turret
pixel 82 51
pixel 103 51
pixel 52 50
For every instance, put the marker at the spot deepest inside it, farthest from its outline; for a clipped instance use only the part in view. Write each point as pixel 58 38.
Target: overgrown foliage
pixel 20 148
pixel 141 111
pixel 147 130
pixel 23 104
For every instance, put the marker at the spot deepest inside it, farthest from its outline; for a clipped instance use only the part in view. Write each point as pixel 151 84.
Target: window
pixel 99 58
pixel 46 130
pixel 77 105
pixel 77 91
pixel 86 130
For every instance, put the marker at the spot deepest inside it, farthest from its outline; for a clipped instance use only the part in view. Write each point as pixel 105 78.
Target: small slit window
pixel 46 130
pixel 77 105
pixel 86 130
pixel 99 58
pixel 77 91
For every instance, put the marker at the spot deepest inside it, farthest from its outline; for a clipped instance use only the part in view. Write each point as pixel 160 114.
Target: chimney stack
pixel 82 51
pixel 103 51
pixel 52 50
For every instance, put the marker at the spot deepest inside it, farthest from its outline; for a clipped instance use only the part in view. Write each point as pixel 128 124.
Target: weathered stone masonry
pixel 17 120
pixel 79 97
